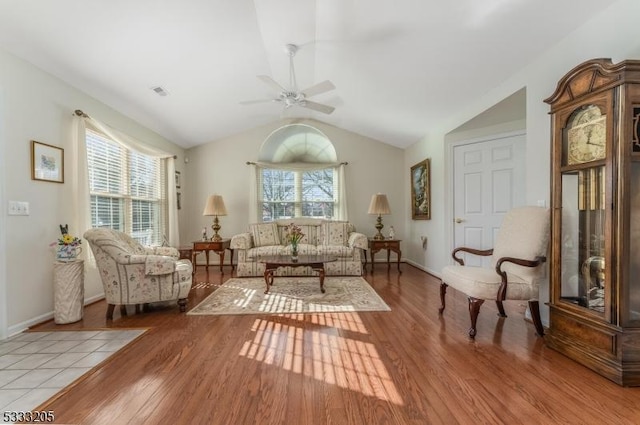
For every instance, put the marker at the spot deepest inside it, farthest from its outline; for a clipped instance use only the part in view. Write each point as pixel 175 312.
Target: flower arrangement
pixel 293 234
pixel 66 239
pixel 67 246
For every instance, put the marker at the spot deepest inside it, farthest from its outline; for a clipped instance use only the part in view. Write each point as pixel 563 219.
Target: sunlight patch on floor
pixel 337 360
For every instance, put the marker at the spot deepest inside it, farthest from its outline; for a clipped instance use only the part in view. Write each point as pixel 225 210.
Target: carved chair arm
pixel 481 252
pixel 519 261
pixel 502 292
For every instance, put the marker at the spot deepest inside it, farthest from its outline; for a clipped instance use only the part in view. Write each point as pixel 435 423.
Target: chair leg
pixel 501 311
pixel 474 309
pixel 123 310
pixel 534 309
pixel 182 302
pixel 443 292
pixel 110 308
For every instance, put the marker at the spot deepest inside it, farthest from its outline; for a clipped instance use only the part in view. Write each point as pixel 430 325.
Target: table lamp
pixel 379 205
pixel 215 207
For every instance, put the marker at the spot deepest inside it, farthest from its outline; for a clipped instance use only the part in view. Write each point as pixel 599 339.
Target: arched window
pixel 298 176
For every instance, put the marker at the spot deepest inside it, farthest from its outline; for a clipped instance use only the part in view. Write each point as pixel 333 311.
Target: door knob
pixel 458 220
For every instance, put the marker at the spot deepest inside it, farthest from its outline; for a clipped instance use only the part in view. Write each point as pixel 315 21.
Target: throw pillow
pixel 335 233
pixel 265 234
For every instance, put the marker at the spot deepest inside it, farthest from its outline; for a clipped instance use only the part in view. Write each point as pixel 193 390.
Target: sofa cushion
pixel 335 232
pixel 265 234
pixel 336 250
pixel 309 232
pixel 261 251
pixel 303 249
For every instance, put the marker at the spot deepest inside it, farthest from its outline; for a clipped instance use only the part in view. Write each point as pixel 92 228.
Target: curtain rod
pixel 79 113
pixel 255 163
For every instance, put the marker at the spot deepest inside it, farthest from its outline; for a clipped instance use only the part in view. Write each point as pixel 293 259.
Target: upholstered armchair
pixel 519 251
pixel 136 275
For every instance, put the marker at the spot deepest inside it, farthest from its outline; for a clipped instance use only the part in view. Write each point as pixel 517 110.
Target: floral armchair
pixel 135 275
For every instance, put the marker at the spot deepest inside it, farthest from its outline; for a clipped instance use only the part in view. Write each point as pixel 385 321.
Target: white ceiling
pixel 400 66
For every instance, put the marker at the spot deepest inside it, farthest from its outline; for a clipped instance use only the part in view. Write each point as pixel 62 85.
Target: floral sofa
pixel 335 238
pixel 133 274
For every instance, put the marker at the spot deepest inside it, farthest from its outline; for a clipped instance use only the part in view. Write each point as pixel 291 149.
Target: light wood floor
pixel 406 366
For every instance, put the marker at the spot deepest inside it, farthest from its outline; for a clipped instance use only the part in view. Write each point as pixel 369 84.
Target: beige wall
pixel 37 106
pixel 220 167
pixel 614 33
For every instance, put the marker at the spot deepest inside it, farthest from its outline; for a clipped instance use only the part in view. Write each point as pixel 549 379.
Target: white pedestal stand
pixel 68 291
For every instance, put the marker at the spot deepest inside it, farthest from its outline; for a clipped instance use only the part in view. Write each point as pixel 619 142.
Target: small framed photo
pixel 179 200
pixel 47 162
pixel 421 190
pixel 178 182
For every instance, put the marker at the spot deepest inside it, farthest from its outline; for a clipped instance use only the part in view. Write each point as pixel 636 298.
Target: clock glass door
pixel 633 296
pixel 583 276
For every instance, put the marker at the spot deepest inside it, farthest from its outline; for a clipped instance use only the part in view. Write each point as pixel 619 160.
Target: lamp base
pixel 379 236
pixel 216 227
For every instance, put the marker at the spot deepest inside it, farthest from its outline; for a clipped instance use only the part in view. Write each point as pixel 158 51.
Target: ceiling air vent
pixel 160 91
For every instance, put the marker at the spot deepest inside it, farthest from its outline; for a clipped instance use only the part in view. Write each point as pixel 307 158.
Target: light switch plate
pixel 18 208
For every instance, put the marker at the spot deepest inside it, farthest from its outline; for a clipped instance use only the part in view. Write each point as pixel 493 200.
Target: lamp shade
pixel 215 206
pixel 379 205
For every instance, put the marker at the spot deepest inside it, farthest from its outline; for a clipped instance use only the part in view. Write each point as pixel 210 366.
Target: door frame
pixel 450 177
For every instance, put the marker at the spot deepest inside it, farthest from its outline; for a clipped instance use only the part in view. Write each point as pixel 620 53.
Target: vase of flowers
pixel 293 236
pixel 67 246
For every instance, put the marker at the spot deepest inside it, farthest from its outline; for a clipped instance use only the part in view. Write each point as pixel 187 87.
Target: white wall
pixel 3 226
pixel 220 167
pixel 38 106
pixel 614 33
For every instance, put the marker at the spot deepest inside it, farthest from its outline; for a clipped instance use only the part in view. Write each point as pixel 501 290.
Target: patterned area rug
pixel 291 295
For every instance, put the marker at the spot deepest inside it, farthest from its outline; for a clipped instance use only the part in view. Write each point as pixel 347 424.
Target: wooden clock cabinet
pixel 595 223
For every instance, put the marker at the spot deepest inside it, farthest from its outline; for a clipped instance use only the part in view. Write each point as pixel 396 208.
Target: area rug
pixel 291 295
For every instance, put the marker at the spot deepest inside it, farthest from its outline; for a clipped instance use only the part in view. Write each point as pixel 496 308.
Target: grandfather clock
pixel 595 223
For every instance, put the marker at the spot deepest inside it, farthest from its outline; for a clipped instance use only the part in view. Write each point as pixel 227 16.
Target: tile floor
pixel 36 365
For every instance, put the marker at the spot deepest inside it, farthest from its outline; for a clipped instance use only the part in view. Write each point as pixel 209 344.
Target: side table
pixel 186 252
pixel 376 245
pixel 68 291
pixel 218 247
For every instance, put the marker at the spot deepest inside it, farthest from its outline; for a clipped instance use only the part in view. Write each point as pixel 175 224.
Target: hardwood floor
pixel 406 366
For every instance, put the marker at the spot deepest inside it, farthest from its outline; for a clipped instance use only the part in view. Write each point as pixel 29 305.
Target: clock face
pixel 586 136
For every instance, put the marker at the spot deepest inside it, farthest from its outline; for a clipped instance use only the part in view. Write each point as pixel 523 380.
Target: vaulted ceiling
pixel 399 67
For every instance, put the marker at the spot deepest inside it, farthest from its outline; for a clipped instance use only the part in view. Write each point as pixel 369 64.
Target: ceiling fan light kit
pixel 292 96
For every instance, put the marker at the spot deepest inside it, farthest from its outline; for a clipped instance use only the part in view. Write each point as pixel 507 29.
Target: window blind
pixel 127 190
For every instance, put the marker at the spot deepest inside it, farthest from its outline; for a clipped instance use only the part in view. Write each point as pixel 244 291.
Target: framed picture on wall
pixel 178 182
pixel 47 162
pixel 179 200
pixel 421 190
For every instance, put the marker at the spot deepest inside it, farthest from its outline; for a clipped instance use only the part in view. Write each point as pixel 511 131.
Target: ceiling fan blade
pixel 319 88
pixel 253 102
pixel 271 82
pixel 326 109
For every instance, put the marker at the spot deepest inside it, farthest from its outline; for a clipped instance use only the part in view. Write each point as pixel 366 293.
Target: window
pixel 127 193
pixel 298 176
pixel 287 194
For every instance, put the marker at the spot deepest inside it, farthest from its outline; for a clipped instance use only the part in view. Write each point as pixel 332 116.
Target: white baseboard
pixel 23 326
pixel 424 269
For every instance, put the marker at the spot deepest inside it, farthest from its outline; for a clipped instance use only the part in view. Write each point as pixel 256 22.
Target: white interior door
pixel 488 180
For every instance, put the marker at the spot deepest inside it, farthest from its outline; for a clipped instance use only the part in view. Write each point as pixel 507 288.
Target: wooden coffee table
pixel 273 262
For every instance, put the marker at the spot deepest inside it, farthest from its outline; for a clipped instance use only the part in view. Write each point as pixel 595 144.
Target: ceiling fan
pixel 292 96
